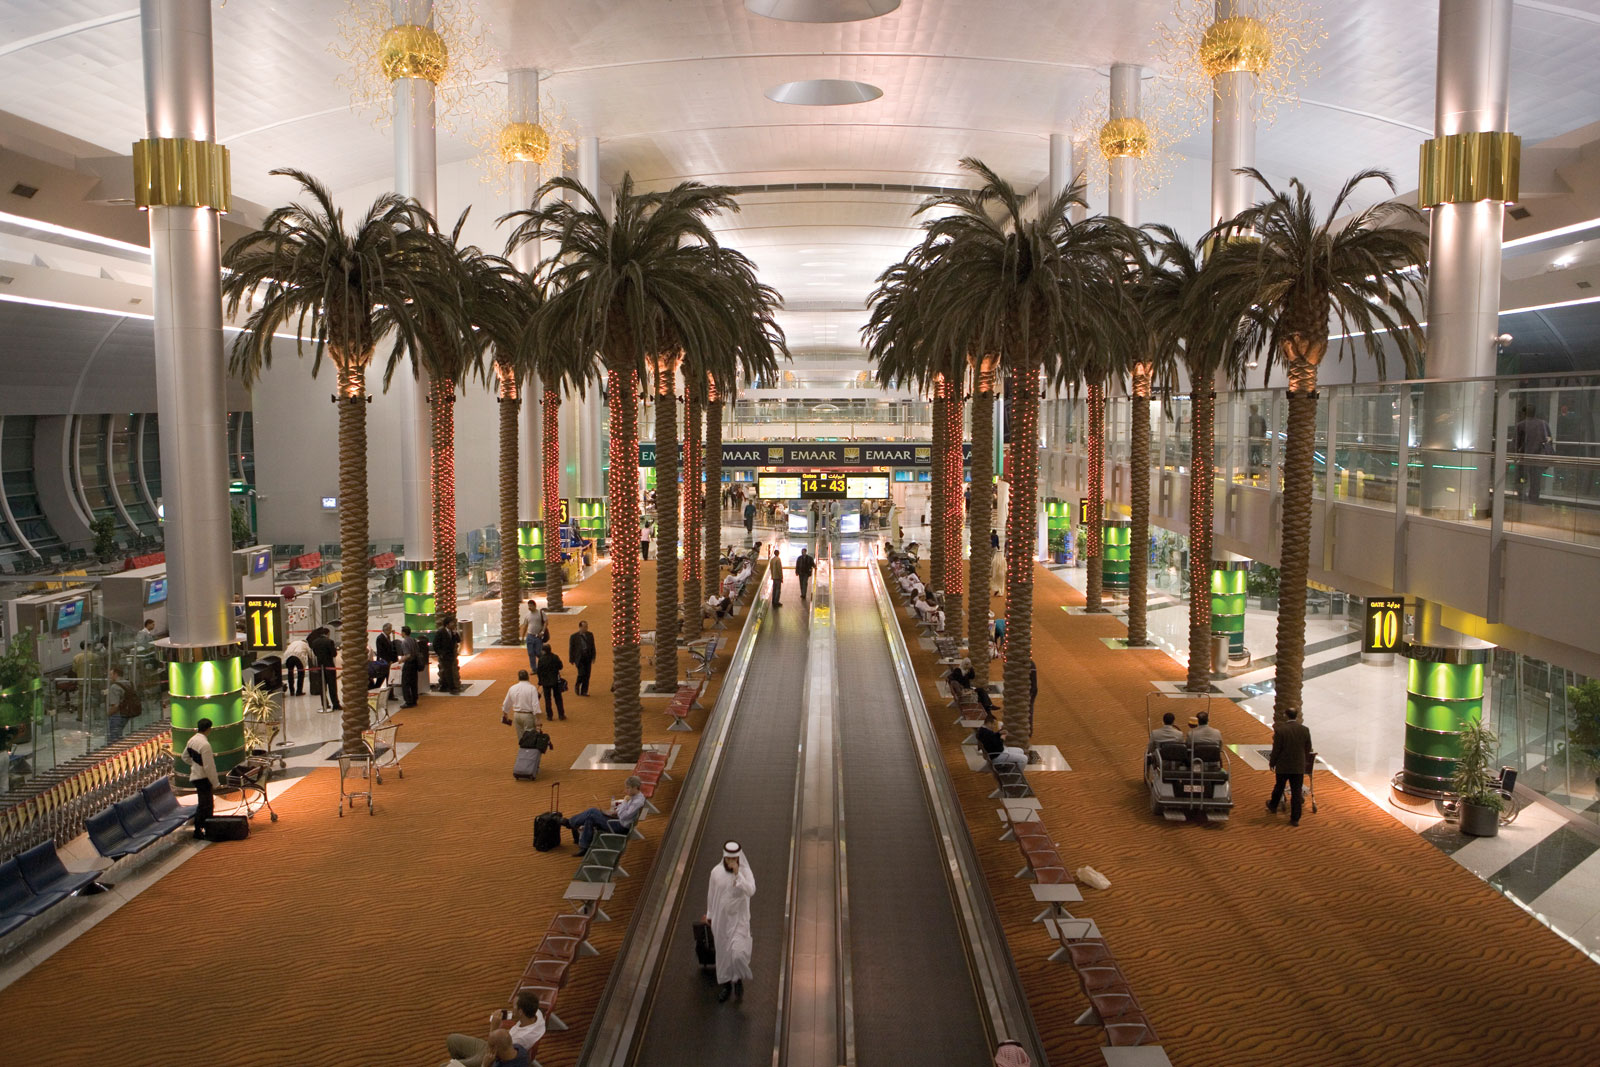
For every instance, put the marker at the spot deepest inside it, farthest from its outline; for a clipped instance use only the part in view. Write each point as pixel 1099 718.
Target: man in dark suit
pixel 387 649
pixel 445 644
pixel 1291 758
pixel 580 653
pixel 804 567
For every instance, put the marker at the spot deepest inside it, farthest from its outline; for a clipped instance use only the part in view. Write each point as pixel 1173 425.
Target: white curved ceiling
pixel 675 89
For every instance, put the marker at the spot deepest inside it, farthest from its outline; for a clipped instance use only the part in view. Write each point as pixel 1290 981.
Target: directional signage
pixel 1385 621
pixel 823 485
pixel 263 623
pixel 819 454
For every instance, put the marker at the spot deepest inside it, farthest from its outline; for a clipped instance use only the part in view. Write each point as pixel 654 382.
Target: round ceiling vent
pixel 821 10
pixel 823 92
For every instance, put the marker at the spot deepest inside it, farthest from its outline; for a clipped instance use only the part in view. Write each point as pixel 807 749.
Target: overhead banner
pixel 822 453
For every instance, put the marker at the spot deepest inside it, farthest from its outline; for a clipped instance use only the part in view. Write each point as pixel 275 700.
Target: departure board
pixel 824 485
pixel 868 487
pixel 778 486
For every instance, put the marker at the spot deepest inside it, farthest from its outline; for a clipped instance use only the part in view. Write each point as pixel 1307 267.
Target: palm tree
pixel 640 286
pixel 980 513
pixel 1020 288
pixel 343 290
pixel 1150 371
pixel 694 499
pixel 1182 308
pixel 1299 272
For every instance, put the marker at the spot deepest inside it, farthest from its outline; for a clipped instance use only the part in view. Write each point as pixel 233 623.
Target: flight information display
pixel 778 486
pixel 867 487
pixel 824 485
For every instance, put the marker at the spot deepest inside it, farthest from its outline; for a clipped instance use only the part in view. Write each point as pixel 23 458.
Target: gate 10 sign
pixel 263 623
pixel 1385 621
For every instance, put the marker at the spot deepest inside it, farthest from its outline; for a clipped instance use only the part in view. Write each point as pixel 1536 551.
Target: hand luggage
pixel 705 948
pixel 527 766
pixel 227 828
pixel 535 738
pixel 547 827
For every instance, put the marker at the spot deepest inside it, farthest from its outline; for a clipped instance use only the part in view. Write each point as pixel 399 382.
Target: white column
pixel 416 176
pixel 1233 134
pixel 1061 173
pixel 1080 174
pixel 185 254
pixel 1123 198
pixel 592 410
pixel 522 105
pixel 571 407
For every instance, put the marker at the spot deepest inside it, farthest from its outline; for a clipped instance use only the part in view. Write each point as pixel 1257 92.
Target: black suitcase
pixel 227 828
pixel 705 947
pixel 547 827
pixel 527 767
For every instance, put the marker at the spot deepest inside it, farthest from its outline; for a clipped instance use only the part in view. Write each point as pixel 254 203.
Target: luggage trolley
pixel 352 765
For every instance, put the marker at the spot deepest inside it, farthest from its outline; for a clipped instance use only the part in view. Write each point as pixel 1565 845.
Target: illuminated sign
pixel 564 511
pixel 1385 621
pixel 823 485
pixel 263 623
pixel 778 486
pixel 867 486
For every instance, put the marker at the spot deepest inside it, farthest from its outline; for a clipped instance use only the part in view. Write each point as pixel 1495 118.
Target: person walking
pixel 581 654
pixel 445 645
pixel 804 567
pixel 728 913
pixel 122 704
pixel 552 683
pixel 1533 439
pixel 411 666
pixel 521 705
pixel 997 574
pixel 202 775
pixel 777 578
pixel 535 642
pixel 646 535
pixel 324 649
pixel 1291 758
pixel 749 519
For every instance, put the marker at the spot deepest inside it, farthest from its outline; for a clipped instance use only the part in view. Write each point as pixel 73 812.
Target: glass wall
pixel 16 480
pixel 1543 730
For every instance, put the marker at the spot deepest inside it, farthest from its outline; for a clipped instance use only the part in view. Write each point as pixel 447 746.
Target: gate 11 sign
pixel 263 623
pixel 1385 620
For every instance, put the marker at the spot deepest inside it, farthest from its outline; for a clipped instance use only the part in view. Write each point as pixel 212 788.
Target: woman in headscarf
pixel 1010 1054
pixel 728 912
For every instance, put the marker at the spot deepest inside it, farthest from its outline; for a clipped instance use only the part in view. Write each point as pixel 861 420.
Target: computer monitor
pixel 155 592
pixel 69 613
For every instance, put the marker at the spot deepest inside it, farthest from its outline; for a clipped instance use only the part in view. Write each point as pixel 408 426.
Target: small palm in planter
pixel 1480 803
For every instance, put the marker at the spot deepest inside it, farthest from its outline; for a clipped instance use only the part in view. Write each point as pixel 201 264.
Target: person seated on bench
pixel 718 607
pixel 623 814
pixel 513 1046
pixel 735 581
pixel 927 611
pixel 1165 732
pixel 1002 755
pixel 1201 730
pixel 909 583
pixel 961 677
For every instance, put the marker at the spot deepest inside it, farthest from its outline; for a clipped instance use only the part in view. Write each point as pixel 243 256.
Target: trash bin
pixel 1219 654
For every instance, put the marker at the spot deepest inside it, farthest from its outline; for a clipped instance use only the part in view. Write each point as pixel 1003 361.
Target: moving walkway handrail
pixel 619 1017
pixel 1006 1012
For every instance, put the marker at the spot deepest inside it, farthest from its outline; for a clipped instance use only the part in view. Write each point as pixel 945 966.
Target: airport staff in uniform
pixel 728 912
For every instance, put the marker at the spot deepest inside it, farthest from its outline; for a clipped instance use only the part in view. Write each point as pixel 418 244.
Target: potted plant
pixel 105 538
pixel 1262 583
pixel 1583 736
pixel 21 696
pixel 1479 803
pixel 242 534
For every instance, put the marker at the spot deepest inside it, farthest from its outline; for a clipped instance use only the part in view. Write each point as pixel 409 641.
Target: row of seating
pixel 130 826
pixel 54 805
pixel 565 941
pixel 1113 1005
pixel 704 652
pixel 683 701
pixel 36 881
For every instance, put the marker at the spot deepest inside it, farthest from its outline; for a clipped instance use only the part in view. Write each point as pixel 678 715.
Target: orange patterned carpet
pixel 1346 941
pixel 356 941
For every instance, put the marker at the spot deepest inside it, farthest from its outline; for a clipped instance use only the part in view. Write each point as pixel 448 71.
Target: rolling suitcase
pixel 705 948
pixel 547 827
pixel 227 828
pixel 527 766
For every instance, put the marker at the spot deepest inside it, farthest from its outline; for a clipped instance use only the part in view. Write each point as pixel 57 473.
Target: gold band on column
pixel 1461 168
pixel 180 172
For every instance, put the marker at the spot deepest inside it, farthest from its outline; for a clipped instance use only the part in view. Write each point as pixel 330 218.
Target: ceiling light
pixel 823 92
pixel 821 10
pixel 1564 261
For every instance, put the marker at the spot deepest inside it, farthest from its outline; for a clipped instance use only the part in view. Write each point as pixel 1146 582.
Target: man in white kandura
pixel 728 912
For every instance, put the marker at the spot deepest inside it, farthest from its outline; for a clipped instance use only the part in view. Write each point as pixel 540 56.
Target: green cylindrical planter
pixel 206 683
pixel 530 550
pixel 1228 600
pixel 1444 692
pixel 1116 536
pixel 416 586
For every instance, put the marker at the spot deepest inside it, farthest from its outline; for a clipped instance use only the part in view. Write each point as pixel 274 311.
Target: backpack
pixel 128 706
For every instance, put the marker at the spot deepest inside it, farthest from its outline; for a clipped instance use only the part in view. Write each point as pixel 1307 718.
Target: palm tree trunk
pixel 693 500
pixel 510 562
pixel 979 517
pixel 936 489
pixel 444 497
pixel 712 574
pixel 1201 488
pixel 623 488
pixel 1020 534
pixel 352 402
pixel 1295 558
pixel 550 470
pixel 1093 537
pixel 667 502
pixel 954 490
pixel 1139 494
